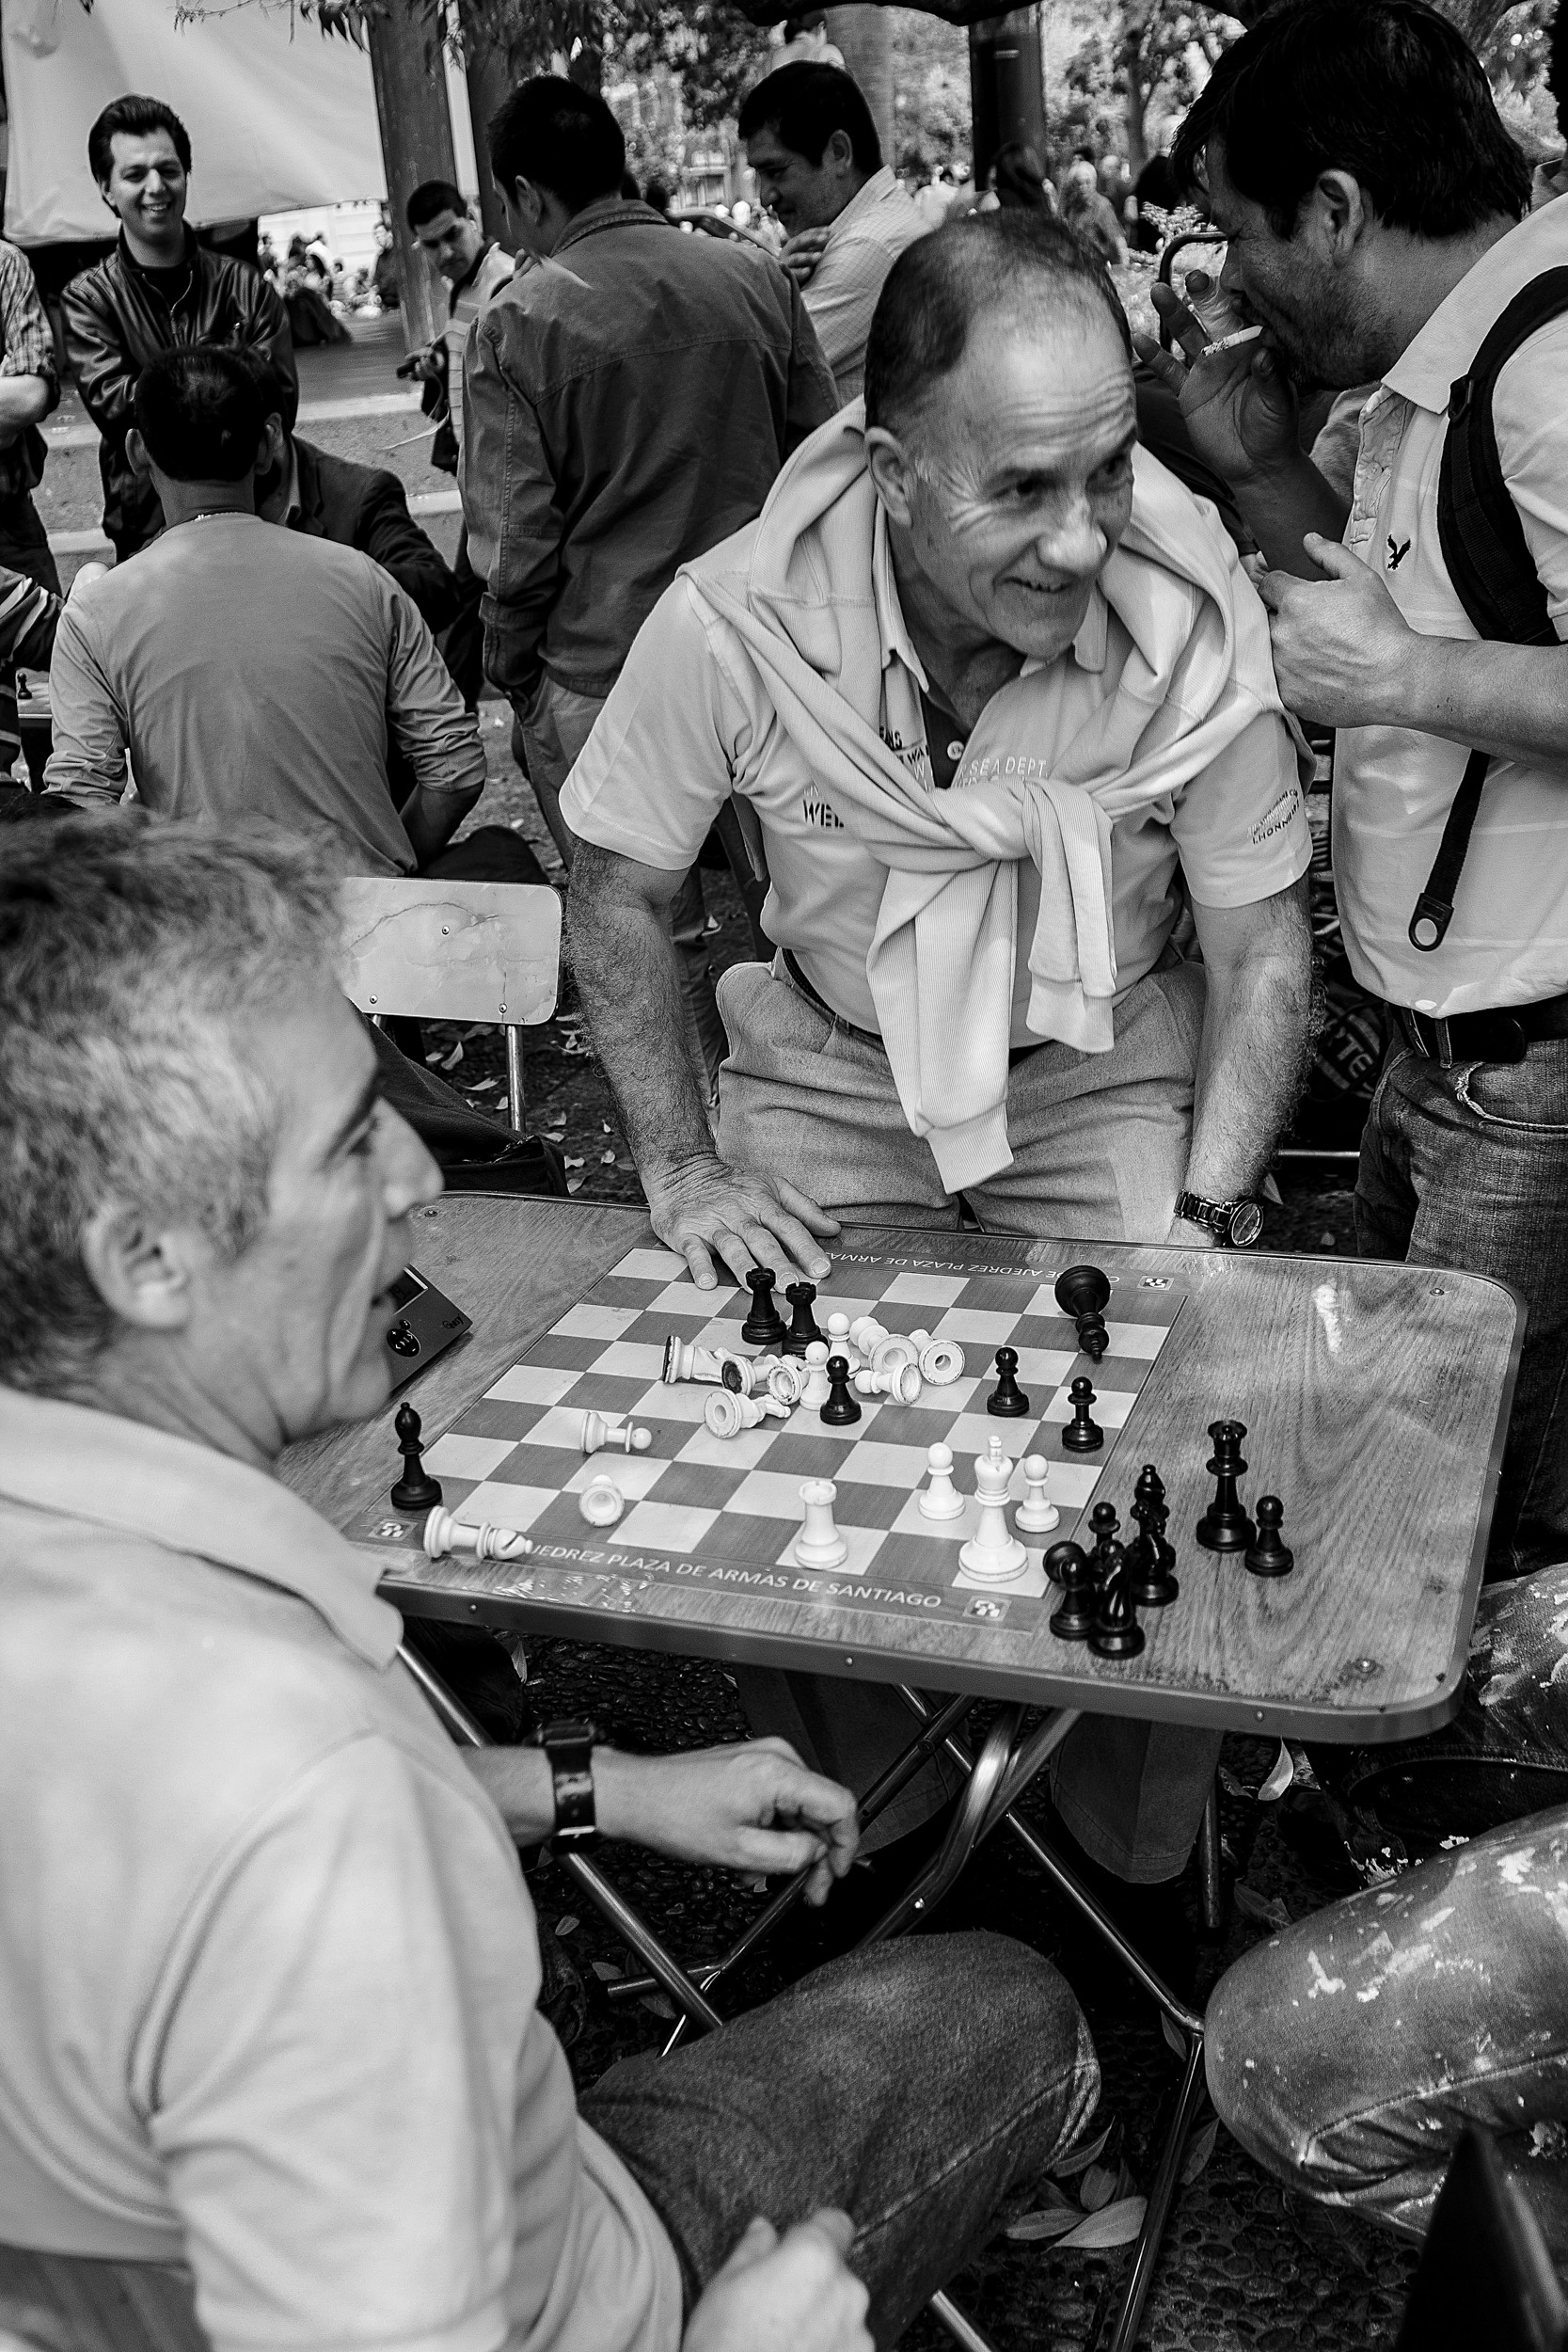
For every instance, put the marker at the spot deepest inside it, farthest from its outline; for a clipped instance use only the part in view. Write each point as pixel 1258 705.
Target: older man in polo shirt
pixel 268 1967
pixel 1375 206
pixel 1000 702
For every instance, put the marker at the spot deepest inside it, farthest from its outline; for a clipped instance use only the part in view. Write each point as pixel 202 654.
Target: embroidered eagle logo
pixel 1397 554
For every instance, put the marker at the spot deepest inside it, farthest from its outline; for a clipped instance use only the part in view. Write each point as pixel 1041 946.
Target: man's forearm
pixel 430 818
pixel 624 963
pixel 518 1783
pixel 1509 700
pixel 1282 506
pixel 1256 1039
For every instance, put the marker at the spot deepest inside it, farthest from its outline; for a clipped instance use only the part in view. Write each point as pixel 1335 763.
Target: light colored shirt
pixel 1394 787
pixel 691 721
pixel 249 670
pixel 841 294
pixel 464 306
pixel 268 1967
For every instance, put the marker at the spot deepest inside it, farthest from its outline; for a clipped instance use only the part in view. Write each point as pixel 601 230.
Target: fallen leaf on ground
pixel 1199 2149
pixel 1268 1908
pixel 1052 2221
pixel 574 1163
pixel 568 1925
pixel 1081 2156
pixel 1281 1775
pixel 1097 2188
pixel 1113 2225
pixel 659 2003
pixel 607 1971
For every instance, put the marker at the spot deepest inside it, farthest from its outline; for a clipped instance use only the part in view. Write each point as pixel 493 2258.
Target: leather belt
pixel 1502 1036
pixel 870 1037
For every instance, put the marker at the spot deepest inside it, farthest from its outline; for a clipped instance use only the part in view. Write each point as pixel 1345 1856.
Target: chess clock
pixel 426 1322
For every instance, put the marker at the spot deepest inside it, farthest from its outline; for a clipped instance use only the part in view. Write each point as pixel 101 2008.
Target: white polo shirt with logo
pixel 1394 787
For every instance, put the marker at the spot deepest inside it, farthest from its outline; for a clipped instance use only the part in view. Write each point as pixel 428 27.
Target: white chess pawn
pixel 600 1502
pixel 685 1360
pixel 942 1361
pixel 902 1384
pixel 898 1348
pixel 993 1553
pixel 786 1380
pixel 865 1333
pixel 939 1499
pixel 727 1414
pixel 622 1436
pixel 818 1387
pixel 819 1545
pixel 1036 1514
pixel 444 1532
pixel 839 1342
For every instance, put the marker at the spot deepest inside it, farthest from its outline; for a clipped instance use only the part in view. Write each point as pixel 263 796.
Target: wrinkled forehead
pixel 1046 391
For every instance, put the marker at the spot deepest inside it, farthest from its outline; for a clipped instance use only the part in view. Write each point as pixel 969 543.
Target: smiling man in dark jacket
pixel 158 289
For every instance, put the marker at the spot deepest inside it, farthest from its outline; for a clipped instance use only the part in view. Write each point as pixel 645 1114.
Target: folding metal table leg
pixel 462 1726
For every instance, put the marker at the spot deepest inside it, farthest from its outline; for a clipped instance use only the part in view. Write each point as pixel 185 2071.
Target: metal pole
pixel 1007 80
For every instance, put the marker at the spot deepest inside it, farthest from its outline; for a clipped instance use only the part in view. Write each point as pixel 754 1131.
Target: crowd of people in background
pixel 869 551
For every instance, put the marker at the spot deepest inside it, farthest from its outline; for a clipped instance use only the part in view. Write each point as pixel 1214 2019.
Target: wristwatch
pixel 569 1747
pixel 1236 1223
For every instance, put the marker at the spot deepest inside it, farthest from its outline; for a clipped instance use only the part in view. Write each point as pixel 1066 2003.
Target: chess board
pixel 726 1511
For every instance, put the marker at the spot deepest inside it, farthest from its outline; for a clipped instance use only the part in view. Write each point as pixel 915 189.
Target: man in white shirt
pixel 811 143
pixel 269 1970
pixel 1377 211
pixel 992 688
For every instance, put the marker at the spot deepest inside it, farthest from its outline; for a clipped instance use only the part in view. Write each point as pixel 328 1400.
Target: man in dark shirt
pixel 158 289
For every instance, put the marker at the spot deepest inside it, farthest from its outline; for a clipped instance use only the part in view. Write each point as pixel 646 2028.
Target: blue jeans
pixel 912 2084
pixel 1468 1166
pixel 1348 2054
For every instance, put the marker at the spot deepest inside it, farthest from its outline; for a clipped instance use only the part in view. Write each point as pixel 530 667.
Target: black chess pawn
pixel 1150 1557
pixel 416 1490
pixel 1068 1565
pixel 842 1406
pixel 1084 1293
pixel 1106 1526
pixel 1226 1526
pixel 1083 1433
pixel 1117 1632
pixel 1269 1554
pixel 803 1332
pixel 764 1326
pixel 1007 1399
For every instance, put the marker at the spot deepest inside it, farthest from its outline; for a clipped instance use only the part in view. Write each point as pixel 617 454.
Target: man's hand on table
pixel 801 254
pixel 705 1209
pixel 790 2294
pixel 751 1808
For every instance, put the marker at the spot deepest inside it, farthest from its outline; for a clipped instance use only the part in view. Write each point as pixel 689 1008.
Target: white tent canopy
pixel 275 122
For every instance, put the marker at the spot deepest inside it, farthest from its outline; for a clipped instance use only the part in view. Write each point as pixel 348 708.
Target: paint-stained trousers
pixel 1348 2054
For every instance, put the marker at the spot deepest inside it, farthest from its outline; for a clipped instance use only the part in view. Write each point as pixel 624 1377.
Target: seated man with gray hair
pixel 1000 702
pixel 268 1967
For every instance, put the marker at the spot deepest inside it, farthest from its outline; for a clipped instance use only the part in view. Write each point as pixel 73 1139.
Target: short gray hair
pixel 132 951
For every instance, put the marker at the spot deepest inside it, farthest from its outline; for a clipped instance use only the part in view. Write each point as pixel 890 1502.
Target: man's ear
pixel 143 1276
pixel 840 151
pixel 136 456
pixel 273 447
pixel 893 473
pixel 1336 216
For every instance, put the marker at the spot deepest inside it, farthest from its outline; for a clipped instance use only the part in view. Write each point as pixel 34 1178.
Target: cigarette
pixel 1231 342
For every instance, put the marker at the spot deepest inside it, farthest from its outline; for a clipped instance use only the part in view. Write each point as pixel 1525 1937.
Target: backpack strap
pixel 1488 561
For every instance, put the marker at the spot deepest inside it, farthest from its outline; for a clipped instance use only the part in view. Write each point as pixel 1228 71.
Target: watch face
pixel 1246 1223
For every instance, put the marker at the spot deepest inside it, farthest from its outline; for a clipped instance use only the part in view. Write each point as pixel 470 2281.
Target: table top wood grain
pixel 1375 1397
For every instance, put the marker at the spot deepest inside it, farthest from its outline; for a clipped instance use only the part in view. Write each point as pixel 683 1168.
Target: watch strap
pixel 569 1750
pixel 1236 1223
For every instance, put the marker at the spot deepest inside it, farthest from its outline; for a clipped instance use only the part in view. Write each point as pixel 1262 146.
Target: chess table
pixel 1376 1398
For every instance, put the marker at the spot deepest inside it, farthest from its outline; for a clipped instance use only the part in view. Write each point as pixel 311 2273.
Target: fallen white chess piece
pixel 600 1502
pixel 445 1533
pixel 819 1545
pixel 942 1361
pixel 685 1360
pixel 727 1414
pixel 624 1436
pixel 901 1382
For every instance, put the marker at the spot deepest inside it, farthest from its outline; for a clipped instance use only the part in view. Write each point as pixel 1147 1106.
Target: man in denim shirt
pixel 628 399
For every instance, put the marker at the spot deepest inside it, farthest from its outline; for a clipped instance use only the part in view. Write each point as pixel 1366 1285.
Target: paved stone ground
pixel 1246 2264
